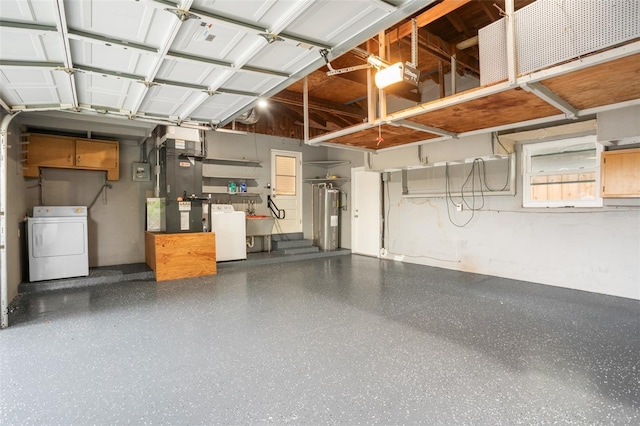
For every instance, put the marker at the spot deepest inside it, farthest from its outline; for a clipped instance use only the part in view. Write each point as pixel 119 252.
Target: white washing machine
pixel 58 242
pixel 231 232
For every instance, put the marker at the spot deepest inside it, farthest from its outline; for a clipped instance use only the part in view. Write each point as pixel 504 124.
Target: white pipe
pixel 465 44
pixel 454 71
pixel 4 276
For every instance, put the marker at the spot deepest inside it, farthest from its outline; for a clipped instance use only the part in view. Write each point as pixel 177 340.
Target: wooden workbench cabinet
pixel 174 256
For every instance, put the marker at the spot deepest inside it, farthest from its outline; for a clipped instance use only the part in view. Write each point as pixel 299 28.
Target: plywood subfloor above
pixel 604 84
pixel 391 135
pixel 496 109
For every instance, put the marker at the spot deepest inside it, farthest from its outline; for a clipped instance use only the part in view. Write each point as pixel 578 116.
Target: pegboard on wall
pixel 553 31
pixel 549 32
pixel 492 42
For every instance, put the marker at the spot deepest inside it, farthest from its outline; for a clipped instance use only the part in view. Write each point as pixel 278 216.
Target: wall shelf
pixel 234 178
pixel 233 161
pixel 339 180
pixel 327 163
pixel 237 194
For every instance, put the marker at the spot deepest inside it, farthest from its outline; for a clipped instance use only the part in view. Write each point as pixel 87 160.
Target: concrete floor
pixel 343 340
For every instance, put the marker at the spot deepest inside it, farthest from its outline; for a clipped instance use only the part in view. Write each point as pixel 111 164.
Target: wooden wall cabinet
pixel 71 153
pixel 620 173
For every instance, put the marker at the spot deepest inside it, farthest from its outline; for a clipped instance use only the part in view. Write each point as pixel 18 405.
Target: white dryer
pixel 58 242
pixel 231 232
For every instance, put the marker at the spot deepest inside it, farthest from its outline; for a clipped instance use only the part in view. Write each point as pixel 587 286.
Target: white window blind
pixel 285 175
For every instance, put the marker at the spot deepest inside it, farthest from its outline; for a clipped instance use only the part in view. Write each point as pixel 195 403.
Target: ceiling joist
pixel 425 18
pixel 292 98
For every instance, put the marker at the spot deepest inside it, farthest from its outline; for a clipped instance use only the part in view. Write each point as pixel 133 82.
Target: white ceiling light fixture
pixel 262 103
pixel 389 75
pixel 397 73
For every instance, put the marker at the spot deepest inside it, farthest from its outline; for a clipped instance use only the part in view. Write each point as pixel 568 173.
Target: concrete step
pixel 287 237
pixel 278 245
pixel 300 250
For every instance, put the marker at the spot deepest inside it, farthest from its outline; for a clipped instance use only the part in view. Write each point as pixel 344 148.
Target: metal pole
pixel 454 71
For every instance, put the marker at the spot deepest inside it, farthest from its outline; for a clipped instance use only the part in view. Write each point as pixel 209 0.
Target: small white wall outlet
pixel 459 207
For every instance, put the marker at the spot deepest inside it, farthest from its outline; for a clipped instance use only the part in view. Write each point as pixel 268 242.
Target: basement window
pixel 562 173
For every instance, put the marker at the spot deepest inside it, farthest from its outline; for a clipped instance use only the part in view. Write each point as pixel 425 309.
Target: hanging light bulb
pixel 398 73
pixel 390 75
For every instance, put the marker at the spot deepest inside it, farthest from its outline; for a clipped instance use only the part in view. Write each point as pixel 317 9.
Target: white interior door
pixel 286 189
pixel 365 214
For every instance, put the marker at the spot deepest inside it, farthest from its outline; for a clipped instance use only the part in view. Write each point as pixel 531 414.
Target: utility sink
pixel 259 225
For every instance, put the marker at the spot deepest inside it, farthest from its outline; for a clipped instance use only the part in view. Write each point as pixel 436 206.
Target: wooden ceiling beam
pixel 293 98
pixel 338 121
pixel 459 24
pixel 291 112
pixel 297 114
pixel 424 19
pixel 490 10
pixel 442 50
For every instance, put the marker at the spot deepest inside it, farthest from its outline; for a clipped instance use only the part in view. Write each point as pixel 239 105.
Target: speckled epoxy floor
pixel 344 340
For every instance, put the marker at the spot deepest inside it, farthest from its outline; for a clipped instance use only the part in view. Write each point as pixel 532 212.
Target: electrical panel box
pixel 141 172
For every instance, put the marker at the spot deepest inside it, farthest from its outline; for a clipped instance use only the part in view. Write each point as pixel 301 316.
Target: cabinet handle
pixel 78 159
pixel 69 158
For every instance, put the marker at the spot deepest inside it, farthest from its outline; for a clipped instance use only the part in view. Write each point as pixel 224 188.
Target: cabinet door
pixel 52 151
pixel 620 173
pixel 96 154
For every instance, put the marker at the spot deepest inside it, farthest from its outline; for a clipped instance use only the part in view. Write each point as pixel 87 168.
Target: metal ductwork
pixel 249 117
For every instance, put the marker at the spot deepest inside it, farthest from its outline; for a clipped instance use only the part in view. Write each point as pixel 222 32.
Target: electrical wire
pixel 449 200
pixel 478 172
pixel 507 182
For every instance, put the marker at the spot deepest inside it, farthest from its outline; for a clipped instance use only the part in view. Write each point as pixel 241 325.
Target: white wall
pixel 591 249
pixel 258 147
